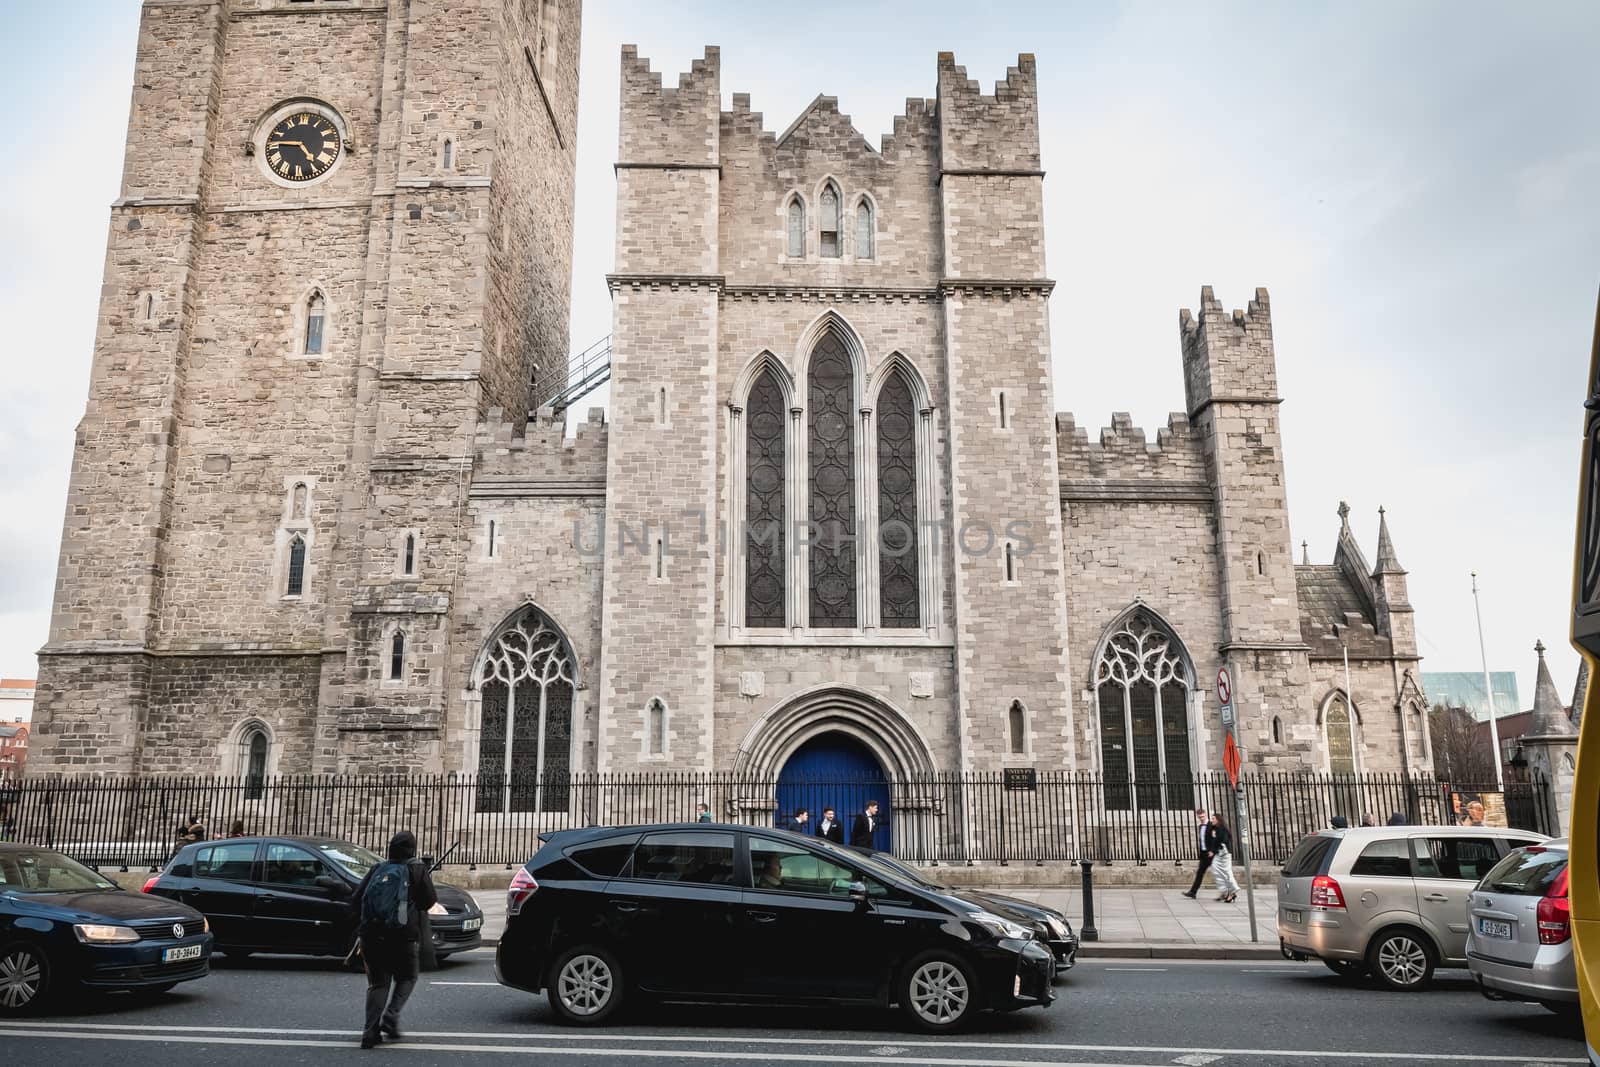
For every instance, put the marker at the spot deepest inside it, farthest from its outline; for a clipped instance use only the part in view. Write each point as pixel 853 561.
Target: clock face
pixel 302 146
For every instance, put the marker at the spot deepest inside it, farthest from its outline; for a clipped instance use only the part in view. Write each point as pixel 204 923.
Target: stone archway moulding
pixel 897 745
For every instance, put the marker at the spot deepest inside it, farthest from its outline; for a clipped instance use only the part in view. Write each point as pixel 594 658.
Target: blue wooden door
pixel 835 770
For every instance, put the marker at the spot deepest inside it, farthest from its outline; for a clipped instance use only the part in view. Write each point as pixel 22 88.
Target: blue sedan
pixel 64 925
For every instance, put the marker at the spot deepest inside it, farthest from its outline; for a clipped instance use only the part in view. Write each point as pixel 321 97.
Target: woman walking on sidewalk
pixel 1219 842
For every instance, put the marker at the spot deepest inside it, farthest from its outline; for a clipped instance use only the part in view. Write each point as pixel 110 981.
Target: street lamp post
pixel 1488 692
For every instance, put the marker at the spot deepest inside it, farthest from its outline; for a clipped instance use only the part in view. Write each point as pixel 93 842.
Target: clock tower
pixel 343 236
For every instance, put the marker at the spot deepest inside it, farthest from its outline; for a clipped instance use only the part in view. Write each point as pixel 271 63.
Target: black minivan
pixel 736 914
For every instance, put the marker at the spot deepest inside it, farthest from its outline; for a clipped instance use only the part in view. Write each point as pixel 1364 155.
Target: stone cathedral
pixel 322 518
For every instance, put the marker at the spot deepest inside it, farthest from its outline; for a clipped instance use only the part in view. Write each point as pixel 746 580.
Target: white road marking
pixel 432 982
pixel 1149 969
pixel 154 1032
pixel 1196 1061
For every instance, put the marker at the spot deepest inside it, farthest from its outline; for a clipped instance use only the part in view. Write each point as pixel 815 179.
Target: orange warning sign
pixel 1230 761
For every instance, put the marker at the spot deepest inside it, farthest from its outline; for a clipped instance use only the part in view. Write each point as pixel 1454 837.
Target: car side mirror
pixel 858 892
pixel 333 885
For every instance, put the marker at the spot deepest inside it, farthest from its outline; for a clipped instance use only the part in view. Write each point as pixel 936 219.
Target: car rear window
pixel 1384 859
pixel 1527 872
pixel 1308 857
pixel 604 859
pixel 702 858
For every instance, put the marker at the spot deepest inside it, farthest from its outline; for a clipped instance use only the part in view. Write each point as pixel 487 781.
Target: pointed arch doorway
pixel 835 770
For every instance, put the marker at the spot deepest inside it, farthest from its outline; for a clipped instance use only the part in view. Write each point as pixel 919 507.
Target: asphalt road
pixel 1155 1012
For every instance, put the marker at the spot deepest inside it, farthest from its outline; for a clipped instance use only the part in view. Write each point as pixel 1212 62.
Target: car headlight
pixel 205 925
pixel 1058 929
pixel 1000 927
pixel 438 909
pixel 97 933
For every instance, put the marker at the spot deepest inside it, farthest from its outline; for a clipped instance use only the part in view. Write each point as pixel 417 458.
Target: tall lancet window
pixel 1142 682
pixel 797 228
pixel 864 229
pixel 316 312
pixel 897 504
pixel 525 724
pixel 764 557
pixel 830 409
pixel 828 221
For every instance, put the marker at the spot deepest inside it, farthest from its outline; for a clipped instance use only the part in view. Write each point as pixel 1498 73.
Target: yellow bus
pixel 1584 854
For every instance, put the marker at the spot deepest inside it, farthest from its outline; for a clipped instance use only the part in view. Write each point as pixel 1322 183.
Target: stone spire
pixel 1305 553
pixel 1580 692
pixel 1387 563
pixel 1549 717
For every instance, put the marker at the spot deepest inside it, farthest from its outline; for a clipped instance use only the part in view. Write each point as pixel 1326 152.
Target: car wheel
pixel 24 977
pixel 1349 970
pixel 1402 959
pixel 585 985
pixel 938 992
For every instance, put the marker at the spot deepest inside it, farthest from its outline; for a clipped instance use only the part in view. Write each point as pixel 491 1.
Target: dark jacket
pixel 403 849
pixel 861 831
pixel 1218 838
pixel 835 831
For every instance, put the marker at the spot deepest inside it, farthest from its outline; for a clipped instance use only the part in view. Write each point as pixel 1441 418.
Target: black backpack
pixel 387 902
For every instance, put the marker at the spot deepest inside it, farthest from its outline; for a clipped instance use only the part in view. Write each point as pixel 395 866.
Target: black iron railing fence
pixel 1014 816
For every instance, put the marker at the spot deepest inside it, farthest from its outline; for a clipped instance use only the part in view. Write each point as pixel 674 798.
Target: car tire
pixel 1349 970
pixel 1402 958
pixel 585 986
pixel 938 992
pixel 24 978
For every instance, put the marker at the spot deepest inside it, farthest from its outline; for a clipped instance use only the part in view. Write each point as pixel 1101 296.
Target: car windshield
pixel 1526 872
pixel 352 857
pixel 891 864
pixel 39 871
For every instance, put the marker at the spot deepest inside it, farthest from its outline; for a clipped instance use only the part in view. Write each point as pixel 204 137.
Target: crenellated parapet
pixel 1124 462
pixel 1227 357
pixel 542 453
pixel 989 132
pixel 669 125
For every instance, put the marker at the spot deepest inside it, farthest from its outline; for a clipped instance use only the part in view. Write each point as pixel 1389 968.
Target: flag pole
pixel 1488 691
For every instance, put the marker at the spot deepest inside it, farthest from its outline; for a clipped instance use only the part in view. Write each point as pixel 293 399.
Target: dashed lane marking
pixel 151 1032
pixel 1153 970
pixel 432 982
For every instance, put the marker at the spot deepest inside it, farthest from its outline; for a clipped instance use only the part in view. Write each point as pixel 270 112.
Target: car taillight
pixel 150 883
pixel 522 887
pixel 1325 893
pixel 1555 913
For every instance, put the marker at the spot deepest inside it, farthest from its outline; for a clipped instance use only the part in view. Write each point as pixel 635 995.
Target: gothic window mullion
pixel 895 540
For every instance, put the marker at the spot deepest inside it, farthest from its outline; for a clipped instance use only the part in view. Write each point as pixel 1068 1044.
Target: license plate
pixel 1491 928
pixel 471 925
pixel 1296 917
pixel 182 952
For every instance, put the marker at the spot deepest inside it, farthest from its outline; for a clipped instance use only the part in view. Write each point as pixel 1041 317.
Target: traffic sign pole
pixel 1232 760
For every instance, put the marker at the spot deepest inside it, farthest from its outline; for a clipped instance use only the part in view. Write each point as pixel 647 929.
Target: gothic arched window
pixel 408 560
pixel 900 602
pixel 797 228
pixel 525 726
pixel 253 753
pixel 830 411
pixel 316 312
pixel 1142 682
pixel 828 221
pixel 865 231
pixel 397 656
pixel 1017 728
pixel 296 584
pixel 765 561
pixel 656 727
pixel 1341 736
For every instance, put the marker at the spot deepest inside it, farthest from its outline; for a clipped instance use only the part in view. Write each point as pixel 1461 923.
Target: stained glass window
pixel 1142 681
pixel 797 228
pixel 831 408
pixel 525 722
pixel 297 567
pixel 764 557
pixel 900 604
pixel 864 230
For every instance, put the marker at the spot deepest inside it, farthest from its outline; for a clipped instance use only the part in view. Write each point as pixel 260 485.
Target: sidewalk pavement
pixel 1132 922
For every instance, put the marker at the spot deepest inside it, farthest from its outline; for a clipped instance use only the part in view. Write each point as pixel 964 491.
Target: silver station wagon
pixel 1519 945
pixel 1387 901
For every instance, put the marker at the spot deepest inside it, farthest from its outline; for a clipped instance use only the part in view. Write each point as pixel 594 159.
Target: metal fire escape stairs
pixel 585 372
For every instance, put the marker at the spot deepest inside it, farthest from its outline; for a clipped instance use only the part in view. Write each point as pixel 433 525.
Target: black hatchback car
pixel 715 913
pixel 296 895
pixel 62 924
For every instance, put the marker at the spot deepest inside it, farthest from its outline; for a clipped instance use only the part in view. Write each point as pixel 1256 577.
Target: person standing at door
pixel 867 822
pixel 1202 833
pixel 1220 843
pixel 830 827
pixel 390 902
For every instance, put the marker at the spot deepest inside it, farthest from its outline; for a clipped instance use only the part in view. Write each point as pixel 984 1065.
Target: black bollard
pixel 1087 932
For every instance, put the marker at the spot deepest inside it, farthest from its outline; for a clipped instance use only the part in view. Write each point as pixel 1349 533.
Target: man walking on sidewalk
pixel 1202 824
pixel 390 902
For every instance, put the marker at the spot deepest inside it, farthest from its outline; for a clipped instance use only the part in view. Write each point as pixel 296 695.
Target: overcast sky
pixel 1414 183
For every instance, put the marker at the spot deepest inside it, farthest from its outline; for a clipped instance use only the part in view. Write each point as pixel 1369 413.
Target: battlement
pixel 542 452
pixel 1228 357
pixel 994 132
pixel 660 125
pixel 822 126
pixel 1124 452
